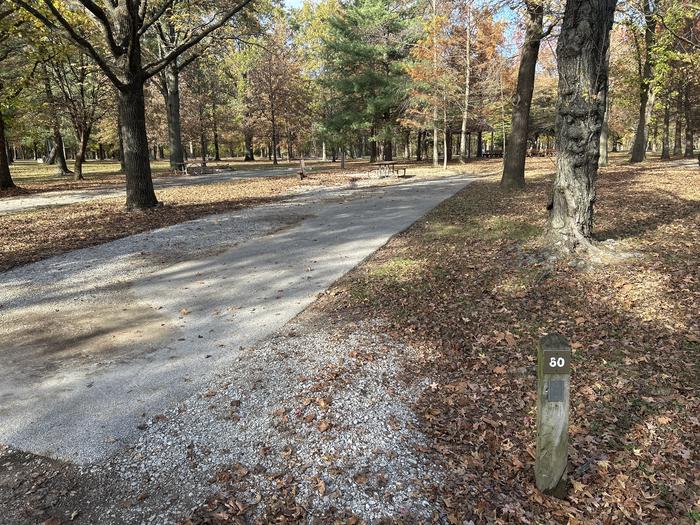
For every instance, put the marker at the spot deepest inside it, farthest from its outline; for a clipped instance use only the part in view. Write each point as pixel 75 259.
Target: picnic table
pixel 386 168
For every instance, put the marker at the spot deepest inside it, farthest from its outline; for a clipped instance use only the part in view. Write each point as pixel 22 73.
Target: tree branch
pixel 103 19
pixel 676 35
pixel 155 67
pixel 155 17
pixel 73 35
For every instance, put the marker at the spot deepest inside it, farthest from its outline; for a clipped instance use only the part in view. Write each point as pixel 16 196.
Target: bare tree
pixel 82 92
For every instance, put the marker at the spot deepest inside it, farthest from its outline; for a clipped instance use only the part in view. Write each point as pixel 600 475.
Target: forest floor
pixel 406 393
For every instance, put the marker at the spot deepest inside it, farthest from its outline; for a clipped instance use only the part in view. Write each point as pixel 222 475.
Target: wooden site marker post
pixel 553 378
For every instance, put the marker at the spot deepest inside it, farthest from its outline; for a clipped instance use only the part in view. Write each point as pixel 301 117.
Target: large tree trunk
pixel 640 137
pixel 122 161
pixel 688 154
pixel 60 158
pixel 583 79
pixel 132 113
pixel 172 102
pixel 5 176
pixel 665 148
pixel 388 150
pixel 248 139
pixel 514 161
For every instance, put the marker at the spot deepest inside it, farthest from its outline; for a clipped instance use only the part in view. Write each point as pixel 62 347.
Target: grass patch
pixel 397 269
pixel 490 228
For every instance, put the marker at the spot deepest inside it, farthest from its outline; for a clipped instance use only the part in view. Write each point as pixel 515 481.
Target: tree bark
pixel 445 138
pixel 603 159
pixel 583 79
pixel 60 158
pixel 6 181
pixel 419 145
pixel 203 146
pixel 274 134
pixel 467 82
pixel 120 137
pixel 172 102
pixel 688 154
pixel 436 137
pixel 514 160
pixel 248 139
pixel 82 136
pixel 640 137
pixel 678 131
pixel 132 113
pixel 217 152
pixel 388 150
pixel 665 147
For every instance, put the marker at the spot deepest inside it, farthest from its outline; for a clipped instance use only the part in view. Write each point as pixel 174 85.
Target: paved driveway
pixel 96 340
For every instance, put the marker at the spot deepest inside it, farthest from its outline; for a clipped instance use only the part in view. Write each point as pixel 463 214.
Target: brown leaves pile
pixel 480 295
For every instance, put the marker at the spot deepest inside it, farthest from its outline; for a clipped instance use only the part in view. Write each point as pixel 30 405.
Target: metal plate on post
pixel 555 390
pixel 556 362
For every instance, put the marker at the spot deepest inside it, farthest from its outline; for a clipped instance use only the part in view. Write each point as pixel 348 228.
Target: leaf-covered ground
pixel 470 287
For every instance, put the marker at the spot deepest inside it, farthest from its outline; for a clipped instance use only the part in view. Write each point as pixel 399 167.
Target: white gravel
pixel 367 459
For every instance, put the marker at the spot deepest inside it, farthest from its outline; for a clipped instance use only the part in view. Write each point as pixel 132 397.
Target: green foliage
pixel 365 52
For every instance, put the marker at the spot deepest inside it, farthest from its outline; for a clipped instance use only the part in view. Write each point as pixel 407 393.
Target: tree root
pixel 586 252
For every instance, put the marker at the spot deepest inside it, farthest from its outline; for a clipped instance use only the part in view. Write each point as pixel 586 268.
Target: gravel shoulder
pixel 311 426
